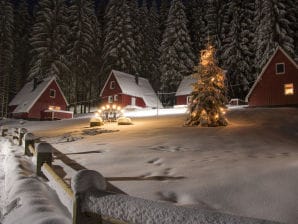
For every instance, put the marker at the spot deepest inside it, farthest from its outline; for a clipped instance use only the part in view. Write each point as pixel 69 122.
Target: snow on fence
pixel 89 202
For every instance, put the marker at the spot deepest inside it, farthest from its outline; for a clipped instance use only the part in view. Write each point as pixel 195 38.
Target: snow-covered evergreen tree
pixel 6 52
pixel 196 11
pixel 163 14
pixel 274 29
pixel 21 59
pixel 237 52
pixel 120 43
pixel 177 57
pixel 48 40
pixel 150 46
pixel 207 107
pixel 82 48
pixel 215 16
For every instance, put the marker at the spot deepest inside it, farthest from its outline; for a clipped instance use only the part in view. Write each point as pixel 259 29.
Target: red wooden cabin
pixel 40 100
pixel 277 85
pixel 184 90
pixel 127 90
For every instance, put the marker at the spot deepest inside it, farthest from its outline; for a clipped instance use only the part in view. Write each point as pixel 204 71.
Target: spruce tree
pixel 163 14
pixel 6 52
pixel 21 59
pixel 207 107
pixel 237 51
pixel 48 40
pixel 196 12
pixel 177 57
pixel 81 50
pixel 150 46
pixel 120 43
pixel 274 29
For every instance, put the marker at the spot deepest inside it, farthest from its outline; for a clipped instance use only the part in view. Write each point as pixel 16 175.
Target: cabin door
pixel 133 101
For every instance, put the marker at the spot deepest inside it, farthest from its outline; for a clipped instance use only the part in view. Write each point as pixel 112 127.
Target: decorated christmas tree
pixel 207 106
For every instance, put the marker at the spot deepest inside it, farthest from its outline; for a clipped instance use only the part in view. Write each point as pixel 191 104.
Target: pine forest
pixel 81 41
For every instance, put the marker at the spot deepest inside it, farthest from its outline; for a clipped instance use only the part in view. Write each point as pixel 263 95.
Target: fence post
pixel 86 181
pixel 22 132
pixel 29 139
pixel 43 155
pixel 3 131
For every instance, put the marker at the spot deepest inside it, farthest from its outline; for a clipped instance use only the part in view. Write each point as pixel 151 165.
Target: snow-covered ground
pixel 248 168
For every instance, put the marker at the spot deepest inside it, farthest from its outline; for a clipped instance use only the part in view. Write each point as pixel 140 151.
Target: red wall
pixel 181 100
pixel 270 89
pixel 123 99
pixel 54 115
pixel 45 101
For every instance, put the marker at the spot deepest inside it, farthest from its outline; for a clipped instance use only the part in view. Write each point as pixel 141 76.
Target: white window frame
pixel 116 98
pixel 188 99
pixel 289 89
pixel 110 99
pixel 284 66
pixel 53 95
pixel 112 84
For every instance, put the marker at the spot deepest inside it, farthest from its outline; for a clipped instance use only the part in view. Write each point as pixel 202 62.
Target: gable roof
pixel 265 68
pixel 27 97
pixel 129 86
pixel 185 87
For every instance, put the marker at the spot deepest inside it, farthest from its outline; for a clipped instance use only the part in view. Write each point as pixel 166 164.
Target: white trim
pixel 54 95
pixel 106 83
pixel 61 92
pixel 265 68
pixel 284 66
pixel 39 95
pixel 112 84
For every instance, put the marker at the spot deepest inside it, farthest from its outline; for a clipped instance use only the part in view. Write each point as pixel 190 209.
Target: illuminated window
pixel 112 85
pixel 54 108
pixel 52 93
pixel 110 99
pixel 115 98
pixel 280 68
pixel 289 89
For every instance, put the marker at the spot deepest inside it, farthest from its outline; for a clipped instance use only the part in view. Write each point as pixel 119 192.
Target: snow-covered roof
pixel 27 97
pixel 265 68
pixel 129 86
pixel 185 87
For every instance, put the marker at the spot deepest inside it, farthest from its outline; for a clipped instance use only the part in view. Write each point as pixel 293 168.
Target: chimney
pixel 35 83
pixel 137 78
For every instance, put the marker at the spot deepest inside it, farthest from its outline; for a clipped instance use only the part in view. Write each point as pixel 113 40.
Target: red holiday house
pixel 184 90
pixel 277 85
pixel 41 100
pixel 127 90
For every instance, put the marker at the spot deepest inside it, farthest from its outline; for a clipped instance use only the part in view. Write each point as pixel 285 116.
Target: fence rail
pixel 89 202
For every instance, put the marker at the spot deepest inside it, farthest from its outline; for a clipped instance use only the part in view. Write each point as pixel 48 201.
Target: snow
pixel 248 168
pixel 128 86
pixel 185 87
pixel 88 180
pixel 25 198
pixel 124 121
pixel 29 137
pixel 140 211
pixel 44 147
pixel 26 98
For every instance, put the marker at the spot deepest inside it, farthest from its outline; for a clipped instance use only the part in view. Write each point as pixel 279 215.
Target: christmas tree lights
pixel 208 100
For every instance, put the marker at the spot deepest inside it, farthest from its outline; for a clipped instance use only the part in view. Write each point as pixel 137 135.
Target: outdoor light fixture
pixel 110 112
